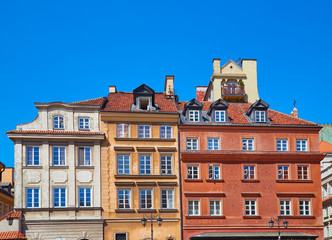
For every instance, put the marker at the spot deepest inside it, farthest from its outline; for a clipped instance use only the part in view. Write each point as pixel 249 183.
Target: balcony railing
pixel 233 90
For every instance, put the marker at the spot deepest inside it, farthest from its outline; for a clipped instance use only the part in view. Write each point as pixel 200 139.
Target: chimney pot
pixel 112 89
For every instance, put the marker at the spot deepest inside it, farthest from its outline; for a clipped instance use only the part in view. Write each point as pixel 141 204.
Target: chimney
pixel 112 89
pixel 200 92
pixel 216 65
pixel 169 86
pixel 295 113
pixel 249 67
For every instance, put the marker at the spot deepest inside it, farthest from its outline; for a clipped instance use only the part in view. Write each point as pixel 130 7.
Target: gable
pixel 231 67
pixel 258 105
pixel 220 104
pixel 143 89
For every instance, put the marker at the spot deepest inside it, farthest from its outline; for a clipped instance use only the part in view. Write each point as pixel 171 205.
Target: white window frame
pixel 284 204
pixel 191 143
pixel 282 172
pixel 59 119
pixel 248 144
pixel 166 131
pixel 144 129
pixel 282 145
pixel 301 168
pixel 191 168
pixel 301 145
pixel 250 207
pixel 145 167
pixel 169 199
pixel 60 197
pixel 125 166
pixel 146 201
pixel 193 204
pixel 306 207
pixel 85 197
pixel 250 171
pixel 194 115
pixel 214 208
pixel 124 198
pixel 214 172
pixel 33 197
pixel 35 151
pixel 166 164
pixel 60 162
pixel 86 158
pixel 83 123
pixel 260 116
pixel 220 116
pixel 215 143
pixel 121 132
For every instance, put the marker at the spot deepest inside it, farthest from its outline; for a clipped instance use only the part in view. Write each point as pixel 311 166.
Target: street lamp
pixel 278 220
pixel 151 218
pixel 10 219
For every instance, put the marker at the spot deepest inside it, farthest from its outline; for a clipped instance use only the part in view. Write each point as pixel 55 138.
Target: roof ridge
pixel 92 99
pixel 295 118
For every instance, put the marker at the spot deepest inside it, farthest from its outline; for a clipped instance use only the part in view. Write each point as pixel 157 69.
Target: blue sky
pixel 73 50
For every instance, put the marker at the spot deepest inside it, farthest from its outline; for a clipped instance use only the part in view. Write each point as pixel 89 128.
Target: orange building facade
pixel 242 164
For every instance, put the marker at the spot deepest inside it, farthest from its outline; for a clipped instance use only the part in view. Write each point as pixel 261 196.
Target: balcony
pixel 233 93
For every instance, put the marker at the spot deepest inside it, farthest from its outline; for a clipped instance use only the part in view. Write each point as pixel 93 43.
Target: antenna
pixel 239 61
pixel 294 103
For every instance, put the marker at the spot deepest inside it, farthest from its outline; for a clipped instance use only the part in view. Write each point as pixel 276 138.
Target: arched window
pixel 58 122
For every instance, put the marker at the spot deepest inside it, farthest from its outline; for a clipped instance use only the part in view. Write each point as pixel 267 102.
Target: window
pixel 214 172
pixel 123 164
pixel 213 143
pixel 121 236
pixel 122 130
pixel 59 197
pixel 32 197
pixel 193 116
pixel 144 103
pixel 250 207
pixel 144 164
pixel 144 131
pixel 84 156
pixel 166 164
pixel 247 144
pixel 215 207
pixel 282 145
pixel 32 156
pixel 192 172
pixel 167 201
pixel 165 131
pixel 124 197
pixel 283 172
pixel 301 145
pixel 248 172
pixel 58 122
pixel 84 197
pixel 84 123
pixel 285 207
pixel 193 208
pixel 260 116
pixel 145 196
pixel 302 172
pixel 220 116
pixel 192 143
pixel 59 156
pixel 304 207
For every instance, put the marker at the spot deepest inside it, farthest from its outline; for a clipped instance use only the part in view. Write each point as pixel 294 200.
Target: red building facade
pixel 242 164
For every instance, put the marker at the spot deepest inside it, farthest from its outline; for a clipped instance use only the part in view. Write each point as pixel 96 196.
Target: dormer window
pixel 258 113
pixel 260 116
pixel 193 116
pixel 218 111
pixel 192 111
pixel 144 103
pixel 58 122
pixel 144 99
pixel 220 115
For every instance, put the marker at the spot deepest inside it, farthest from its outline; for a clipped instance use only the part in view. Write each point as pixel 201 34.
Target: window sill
pixel 215 180
pixel 251 217
pixel 298 217
pixel 193 180
pixel 84 167
pixel 145 176
pixel 168 210
pixel 125 210
pixel 84 130
pixel 294 181
pixel 146 210
pixel 146 139
pixel 250 180
pixel 32 167
pixel 205 216
pixel 59 167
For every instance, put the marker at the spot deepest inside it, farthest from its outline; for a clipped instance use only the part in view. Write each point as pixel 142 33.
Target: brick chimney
pixel 112 89
pixel 295 113
pixel 200 92
pixel 169 86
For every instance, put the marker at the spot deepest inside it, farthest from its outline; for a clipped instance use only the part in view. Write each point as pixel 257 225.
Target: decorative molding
pixel 252 217
pixel 145 149
pixel 294 181
pixel 129 184
pixel 146 210
pixel 309 195
pixel 205 194
pixel 125 210
pixel 174 184
pixel 247 194
pixel 127 149
pixel 146 184
pixel 166 149
pixel 205 217
pixel 145 176
pixel 146 139
pixel 168 210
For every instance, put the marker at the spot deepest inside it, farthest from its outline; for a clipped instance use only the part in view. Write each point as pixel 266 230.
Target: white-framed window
pixel 248 172
pixel 32 197
pixel 121 236
pixel 282 145
pixel 165 131
pixel 124 198
pixel 144 131
pixel 302 172
pixel 144 164
pixel 193 115
pixel 301 145
pixel 58 122
pixel 283 172
pixel 32 156
pixel 84 196
pixel 260 116
pixel 59 197
pixel 145 198
pixel 285 207
pixel 220 116
pixel 192 172
pixel 123 164
pixel 215 207
pixel 59 156
pixel 214 172
pixel 84 156
pixel 304 207
pixel 122 130
pixel 213 143
pixel 250 207
pixel 193 208
pixel 166 164
pixel 84 123
pixel 248 144
pixel 167 198
pixel 192 144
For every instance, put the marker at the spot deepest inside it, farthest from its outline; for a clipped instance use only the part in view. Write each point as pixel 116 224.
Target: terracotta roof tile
pixel 13 214
pixel 92 101
pixel 325 147
pixel 53 132
pixel 12 235
pixel 122 102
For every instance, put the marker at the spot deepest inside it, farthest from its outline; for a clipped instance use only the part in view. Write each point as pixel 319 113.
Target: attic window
pixel 144 103
pixel 260 116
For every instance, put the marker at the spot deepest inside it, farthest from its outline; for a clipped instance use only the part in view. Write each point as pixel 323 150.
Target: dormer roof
pixel 192 104
pixel 258 105
pixel 143 90
pixel 218 105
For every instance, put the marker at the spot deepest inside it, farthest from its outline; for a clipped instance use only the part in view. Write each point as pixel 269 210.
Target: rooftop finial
pixel 294 103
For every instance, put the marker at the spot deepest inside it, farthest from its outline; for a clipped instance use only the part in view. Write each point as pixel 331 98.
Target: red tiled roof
pixel 122 102
pixel 92 101
pixel 236 112
pixel 325 147
pixel 13 214
pixel 12 235
pixel 53 132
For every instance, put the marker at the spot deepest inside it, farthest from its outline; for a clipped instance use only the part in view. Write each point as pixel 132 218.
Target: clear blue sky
pixel 73 50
